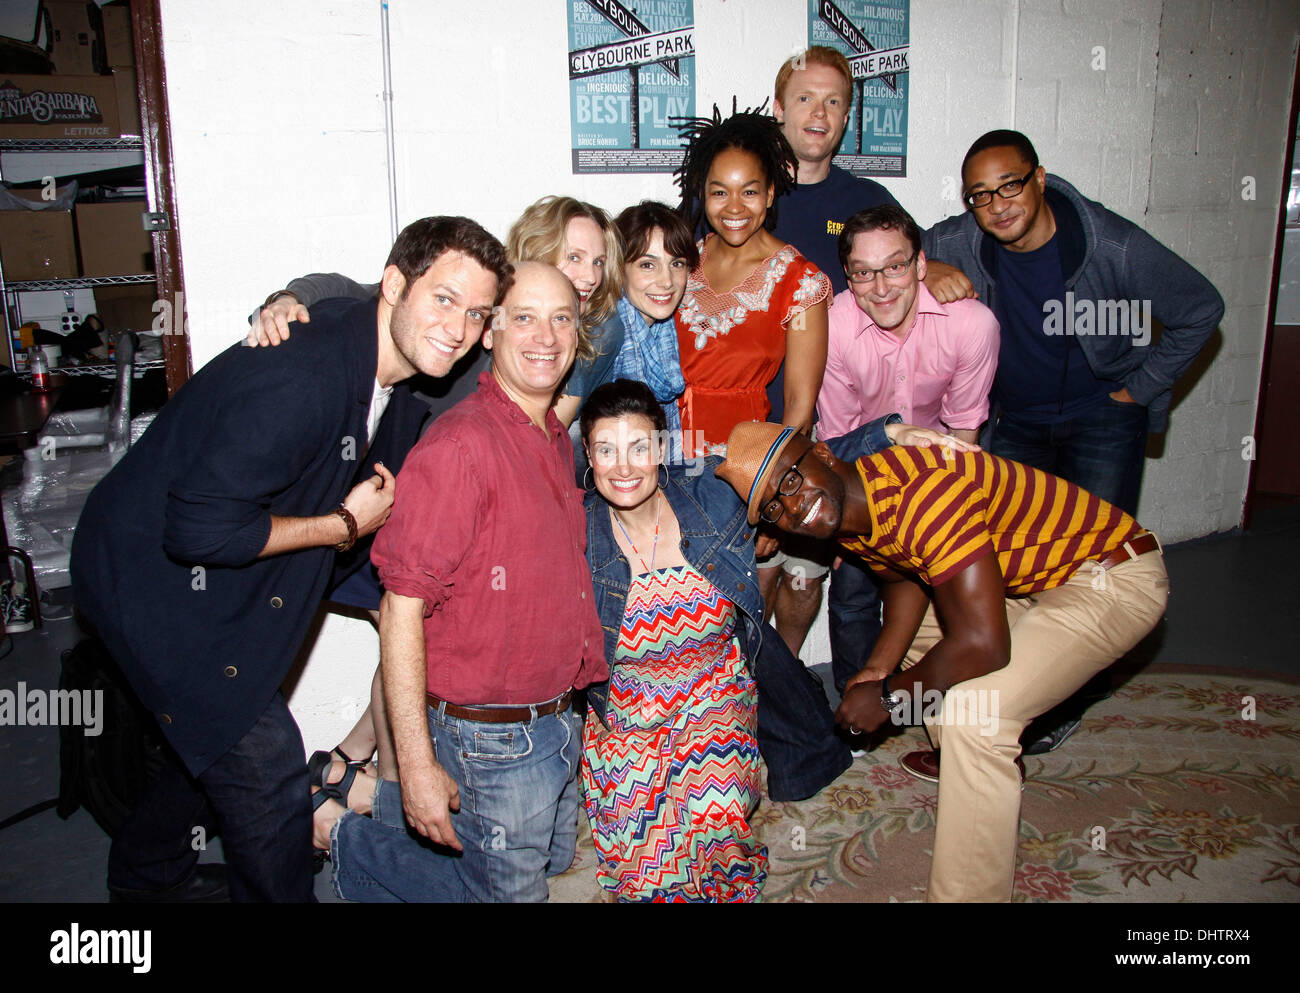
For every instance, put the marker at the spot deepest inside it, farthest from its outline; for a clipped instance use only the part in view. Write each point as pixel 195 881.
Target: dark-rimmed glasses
pixel 895 270
pixel 791 483
pixel 1006 191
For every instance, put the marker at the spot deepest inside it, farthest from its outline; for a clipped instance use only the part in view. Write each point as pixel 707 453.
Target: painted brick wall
pixel 1222 95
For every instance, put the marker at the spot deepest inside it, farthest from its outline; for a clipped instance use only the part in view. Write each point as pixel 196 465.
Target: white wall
pixel 1221 123
pixel 280 165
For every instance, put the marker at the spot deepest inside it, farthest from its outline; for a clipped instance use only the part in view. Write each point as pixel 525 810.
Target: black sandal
pixel 318 855
pixel 359 763
pixel 318 770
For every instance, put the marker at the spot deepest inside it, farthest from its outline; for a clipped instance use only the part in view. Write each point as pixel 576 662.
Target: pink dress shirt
pixel 937 376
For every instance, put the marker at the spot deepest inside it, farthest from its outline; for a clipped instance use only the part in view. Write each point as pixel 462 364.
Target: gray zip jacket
pixel 1105 257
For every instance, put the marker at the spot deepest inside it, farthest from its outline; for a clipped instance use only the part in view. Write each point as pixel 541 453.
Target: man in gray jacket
pixel 1081 379
pixel 1081 375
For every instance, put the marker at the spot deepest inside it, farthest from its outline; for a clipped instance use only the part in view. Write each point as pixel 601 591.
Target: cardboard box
pixel 77 36
pixel 128 101
pixel 126 308
pixel 118 47
pixel 58 107
pixel 113 239
pixel 37 244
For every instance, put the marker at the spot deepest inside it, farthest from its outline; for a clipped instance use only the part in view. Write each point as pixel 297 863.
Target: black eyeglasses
pixel 791 483
pixel 1006 191
pixel 895 270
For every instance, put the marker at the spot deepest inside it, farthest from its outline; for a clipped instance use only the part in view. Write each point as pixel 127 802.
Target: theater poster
pixel 631 70
pixel 873 35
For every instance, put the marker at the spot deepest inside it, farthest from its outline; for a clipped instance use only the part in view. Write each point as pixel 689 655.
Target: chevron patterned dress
pixel 670 781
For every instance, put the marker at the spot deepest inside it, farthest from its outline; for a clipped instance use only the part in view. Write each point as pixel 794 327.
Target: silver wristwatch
pixel 891 701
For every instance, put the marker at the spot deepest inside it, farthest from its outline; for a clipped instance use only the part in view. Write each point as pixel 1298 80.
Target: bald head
pixel 539 277
pixel 534 336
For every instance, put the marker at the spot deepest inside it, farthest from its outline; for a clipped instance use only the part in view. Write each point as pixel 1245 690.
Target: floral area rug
pixel 1182 786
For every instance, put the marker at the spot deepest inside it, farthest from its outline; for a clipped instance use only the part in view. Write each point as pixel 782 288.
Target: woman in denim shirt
pixel 670 759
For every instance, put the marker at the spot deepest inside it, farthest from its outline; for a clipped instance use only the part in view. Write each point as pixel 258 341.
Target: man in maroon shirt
pixel 486 628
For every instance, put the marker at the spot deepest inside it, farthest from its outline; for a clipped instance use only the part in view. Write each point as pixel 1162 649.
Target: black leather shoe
pixel 1051 740
pixel 207 884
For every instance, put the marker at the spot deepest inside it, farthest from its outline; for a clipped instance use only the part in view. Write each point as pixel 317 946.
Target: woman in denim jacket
pixel 670 769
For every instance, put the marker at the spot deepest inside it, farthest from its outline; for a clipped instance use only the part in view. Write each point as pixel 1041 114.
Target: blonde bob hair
pixel 538 236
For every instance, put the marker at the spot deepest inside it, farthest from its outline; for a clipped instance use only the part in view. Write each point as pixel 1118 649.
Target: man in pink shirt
pixel 894 348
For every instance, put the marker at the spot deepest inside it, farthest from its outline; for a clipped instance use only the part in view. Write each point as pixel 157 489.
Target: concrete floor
pixel 1233 598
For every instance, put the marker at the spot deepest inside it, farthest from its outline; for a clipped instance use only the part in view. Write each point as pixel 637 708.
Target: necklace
pixel 628 538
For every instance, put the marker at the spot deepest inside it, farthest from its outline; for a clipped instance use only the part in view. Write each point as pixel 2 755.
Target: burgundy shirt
pixel 488 529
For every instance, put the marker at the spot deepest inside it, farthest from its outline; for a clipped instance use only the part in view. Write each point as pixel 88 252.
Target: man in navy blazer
pixel 202 557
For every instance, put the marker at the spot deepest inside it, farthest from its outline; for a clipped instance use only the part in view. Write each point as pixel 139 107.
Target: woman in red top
pixel 753 302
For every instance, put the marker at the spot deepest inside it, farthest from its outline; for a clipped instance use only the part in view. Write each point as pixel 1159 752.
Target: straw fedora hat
pixel 752 452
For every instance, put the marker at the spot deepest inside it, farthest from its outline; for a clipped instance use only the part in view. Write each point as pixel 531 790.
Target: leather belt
pixel 1131 549
pixel 501 715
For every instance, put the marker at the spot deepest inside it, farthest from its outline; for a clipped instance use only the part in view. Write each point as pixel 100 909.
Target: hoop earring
pixel 664 469
pixel 585 485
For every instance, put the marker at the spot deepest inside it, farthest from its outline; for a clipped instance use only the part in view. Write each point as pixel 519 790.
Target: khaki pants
pixel 1059 639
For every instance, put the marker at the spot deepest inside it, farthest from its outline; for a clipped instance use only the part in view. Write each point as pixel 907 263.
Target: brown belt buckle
pixel 1133 553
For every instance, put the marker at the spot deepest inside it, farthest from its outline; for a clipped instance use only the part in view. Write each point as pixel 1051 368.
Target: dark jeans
pixel 1103 450
pixel 853 606
pixel 256 795
pixel 796 730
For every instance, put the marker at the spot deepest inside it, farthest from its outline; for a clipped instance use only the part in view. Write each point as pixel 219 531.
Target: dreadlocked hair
pixel 753 130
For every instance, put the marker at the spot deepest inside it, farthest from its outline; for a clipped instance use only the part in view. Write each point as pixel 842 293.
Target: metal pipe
pixel 388 121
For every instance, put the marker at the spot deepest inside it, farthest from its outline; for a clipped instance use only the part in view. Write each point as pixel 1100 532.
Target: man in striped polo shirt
pixel 1037 584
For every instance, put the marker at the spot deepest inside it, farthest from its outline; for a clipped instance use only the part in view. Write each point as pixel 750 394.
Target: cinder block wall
pixel 1161 110
pixel 1222 97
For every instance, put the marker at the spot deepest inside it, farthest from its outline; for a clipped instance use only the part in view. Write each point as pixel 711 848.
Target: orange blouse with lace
pixel 732 344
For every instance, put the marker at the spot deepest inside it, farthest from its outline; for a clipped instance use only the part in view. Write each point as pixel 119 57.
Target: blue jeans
pixel 256 796
pixel 518 819
pixel 1102 450
pixel 853 606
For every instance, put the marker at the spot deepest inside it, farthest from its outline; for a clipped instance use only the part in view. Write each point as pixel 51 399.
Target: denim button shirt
pixel 714 533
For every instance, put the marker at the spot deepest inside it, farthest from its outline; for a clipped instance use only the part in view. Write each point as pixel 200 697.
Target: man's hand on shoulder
pixel 910 434
pixel 428 798
pixel 947 283
pixel 271 327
